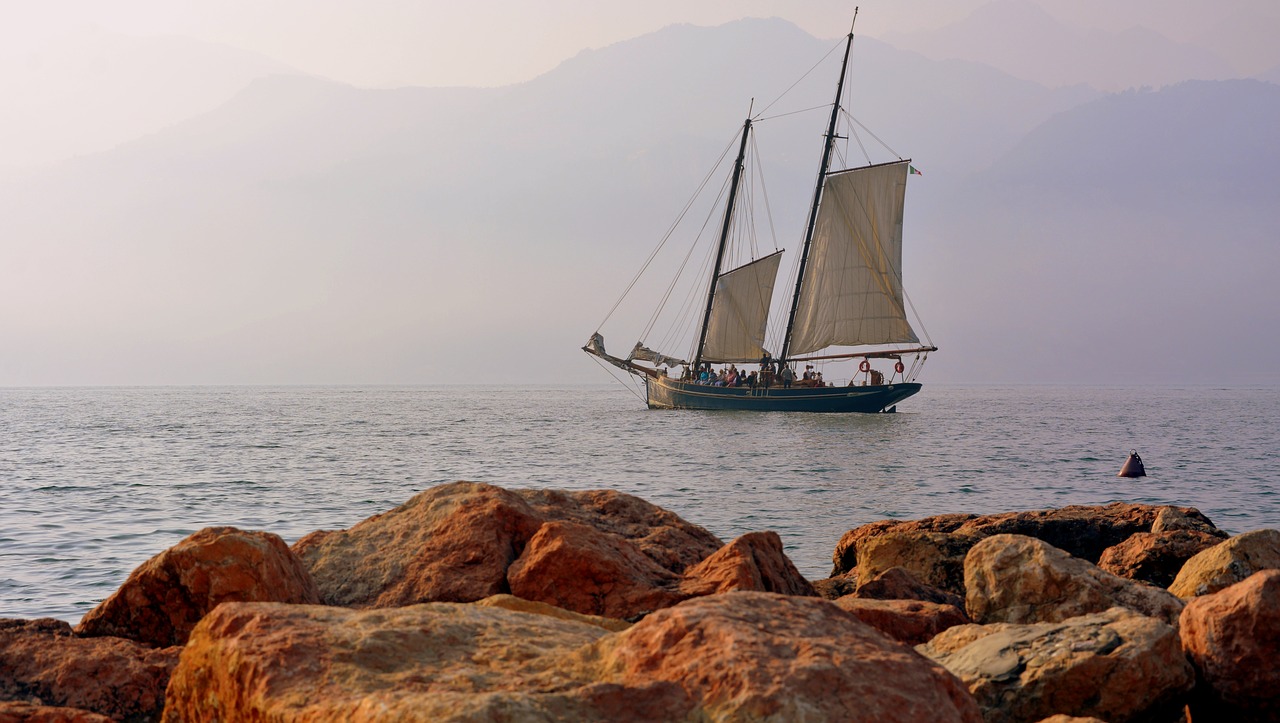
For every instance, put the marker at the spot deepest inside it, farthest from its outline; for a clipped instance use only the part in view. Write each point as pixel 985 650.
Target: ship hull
pixel 666 393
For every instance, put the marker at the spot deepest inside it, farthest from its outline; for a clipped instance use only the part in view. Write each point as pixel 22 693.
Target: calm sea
pixel 93 481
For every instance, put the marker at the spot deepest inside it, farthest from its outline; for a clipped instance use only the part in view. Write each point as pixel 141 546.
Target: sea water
pixel 93 481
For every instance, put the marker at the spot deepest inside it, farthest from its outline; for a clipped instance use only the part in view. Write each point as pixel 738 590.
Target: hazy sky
pixel 385 43
pixel 243 289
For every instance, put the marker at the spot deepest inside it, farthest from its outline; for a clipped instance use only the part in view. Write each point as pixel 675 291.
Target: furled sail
pixel 644 353
pixel 852 289
pixel 740 310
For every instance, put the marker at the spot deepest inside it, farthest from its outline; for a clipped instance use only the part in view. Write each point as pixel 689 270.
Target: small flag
pixel 913 170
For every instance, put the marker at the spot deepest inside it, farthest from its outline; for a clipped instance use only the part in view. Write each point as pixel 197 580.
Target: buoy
pixel 1133 466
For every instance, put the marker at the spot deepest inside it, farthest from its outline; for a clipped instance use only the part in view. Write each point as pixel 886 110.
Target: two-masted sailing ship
pixel 848 305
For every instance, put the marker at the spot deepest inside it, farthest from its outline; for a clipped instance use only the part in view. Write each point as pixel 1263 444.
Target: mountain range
pixel 306 231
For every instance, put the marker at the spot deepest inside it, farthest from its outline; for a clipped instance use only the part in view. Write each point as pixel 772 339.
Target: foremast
pixel 724 241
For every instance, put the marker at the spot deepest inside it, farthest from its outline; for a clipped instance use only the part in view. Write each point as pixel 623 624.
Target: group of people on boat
pixel 771 373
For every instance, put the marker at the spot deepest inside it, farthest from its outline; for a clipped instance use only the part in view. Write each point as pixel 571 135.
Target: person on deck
pixel 787 376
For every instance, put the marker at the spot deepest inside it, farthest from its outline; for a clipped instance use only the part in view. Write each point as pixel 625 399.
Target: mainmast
pixel 724 240
pixel 817 193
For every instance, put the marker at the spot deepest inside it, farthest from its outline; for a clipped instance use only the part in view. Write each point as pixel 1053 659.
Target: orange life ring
pixel 865 366
pixel 899 368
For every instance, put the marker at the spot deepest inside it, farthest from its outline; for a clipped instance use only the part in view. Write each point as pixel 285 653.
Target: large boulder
pixel 1155 557
pixel 660 534
pixel 453 543
pixel 1084 531
pixel 43 665
pixel 167 595
pixel 899 584
pixel 1016 579
pixel 456 542
pixel 1117 666
pixel 580 568
pixel 907 621
pixel 1227 563
pixel 758 656
pixel 754 562
pixel 1233 639
pixel 934 558
pixel 737 656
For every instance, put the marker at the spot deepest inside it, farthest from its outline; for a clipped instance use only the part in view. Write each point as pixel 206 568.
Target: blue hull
pixel 665 393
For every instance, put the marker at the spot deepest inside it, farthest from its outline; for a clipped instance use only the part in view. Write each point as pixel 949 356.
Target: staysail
pixel 735 329
pixel 852 291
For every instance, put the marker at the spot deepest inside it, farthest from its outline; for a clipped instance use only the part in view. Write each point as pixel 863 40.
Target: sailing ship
pixel 847 305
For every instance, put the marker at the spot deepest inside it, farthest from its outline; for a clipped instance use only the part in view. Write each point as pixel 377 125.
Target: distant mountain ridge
pixel 1020 38
pixel 311 232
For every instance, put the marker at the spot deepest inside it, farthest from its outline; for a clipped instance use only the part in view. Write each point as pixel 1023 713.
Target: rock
pixel 736 656
pixel 44 665
pixel 429 662
pixel 455 542
pixel 934 558
pixel 580 568
pixel 898 584
pixel 1016 579
pixel 22 712
pixel 660 534
pixel 1155 557
pixel 167 595
pixel 1233 639
pixel 907 621
pixel 1084 531
pixel 834 588
pixel 754 562
pixel 1169 519
pixel 1227 563
pixel 757 656
pixel 511 602
pixel 1117 666
pixel 845 558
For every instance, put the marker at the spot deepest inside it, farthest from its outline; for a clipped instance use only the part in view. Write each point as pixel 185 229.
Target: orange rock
pixel 737 656
pixel 897 583
pixel 908 621
pixel 1016 579
pixel 1233 639
pixel 167 595
pixel 43 664
pixel 1155 557
pixel 1084 531
pixel 660 534
pixel 580 568
pixel 934 558
pixel 759 656
pixel 754 561
pixel 455 542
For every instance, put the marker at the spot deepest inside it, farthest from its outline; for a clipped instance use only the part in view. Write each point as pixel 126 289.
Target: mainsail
pixel 736 327
pixel 852 290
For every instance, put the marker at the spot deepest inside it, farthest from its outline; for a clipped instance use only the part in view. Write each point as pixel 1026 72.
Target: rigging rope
pixel 798 80
pixel 666 237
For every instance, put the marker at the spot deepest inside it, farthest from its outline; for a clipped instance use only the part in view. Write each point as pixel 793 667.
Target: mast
pixel 817 192
pixel 724 240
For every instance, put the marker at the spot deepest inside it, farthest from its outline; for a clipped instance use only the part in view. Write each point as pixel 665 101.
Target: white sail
pixel 852 289
pixel 740 310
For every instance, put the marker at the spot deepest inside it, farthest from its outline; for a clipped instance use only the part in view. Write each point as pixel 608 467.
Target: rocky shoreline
pixel 474 602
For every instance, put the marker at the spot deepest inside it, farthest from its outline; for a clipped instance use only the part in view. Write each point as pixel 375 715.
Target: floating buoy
pixel 1133 466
